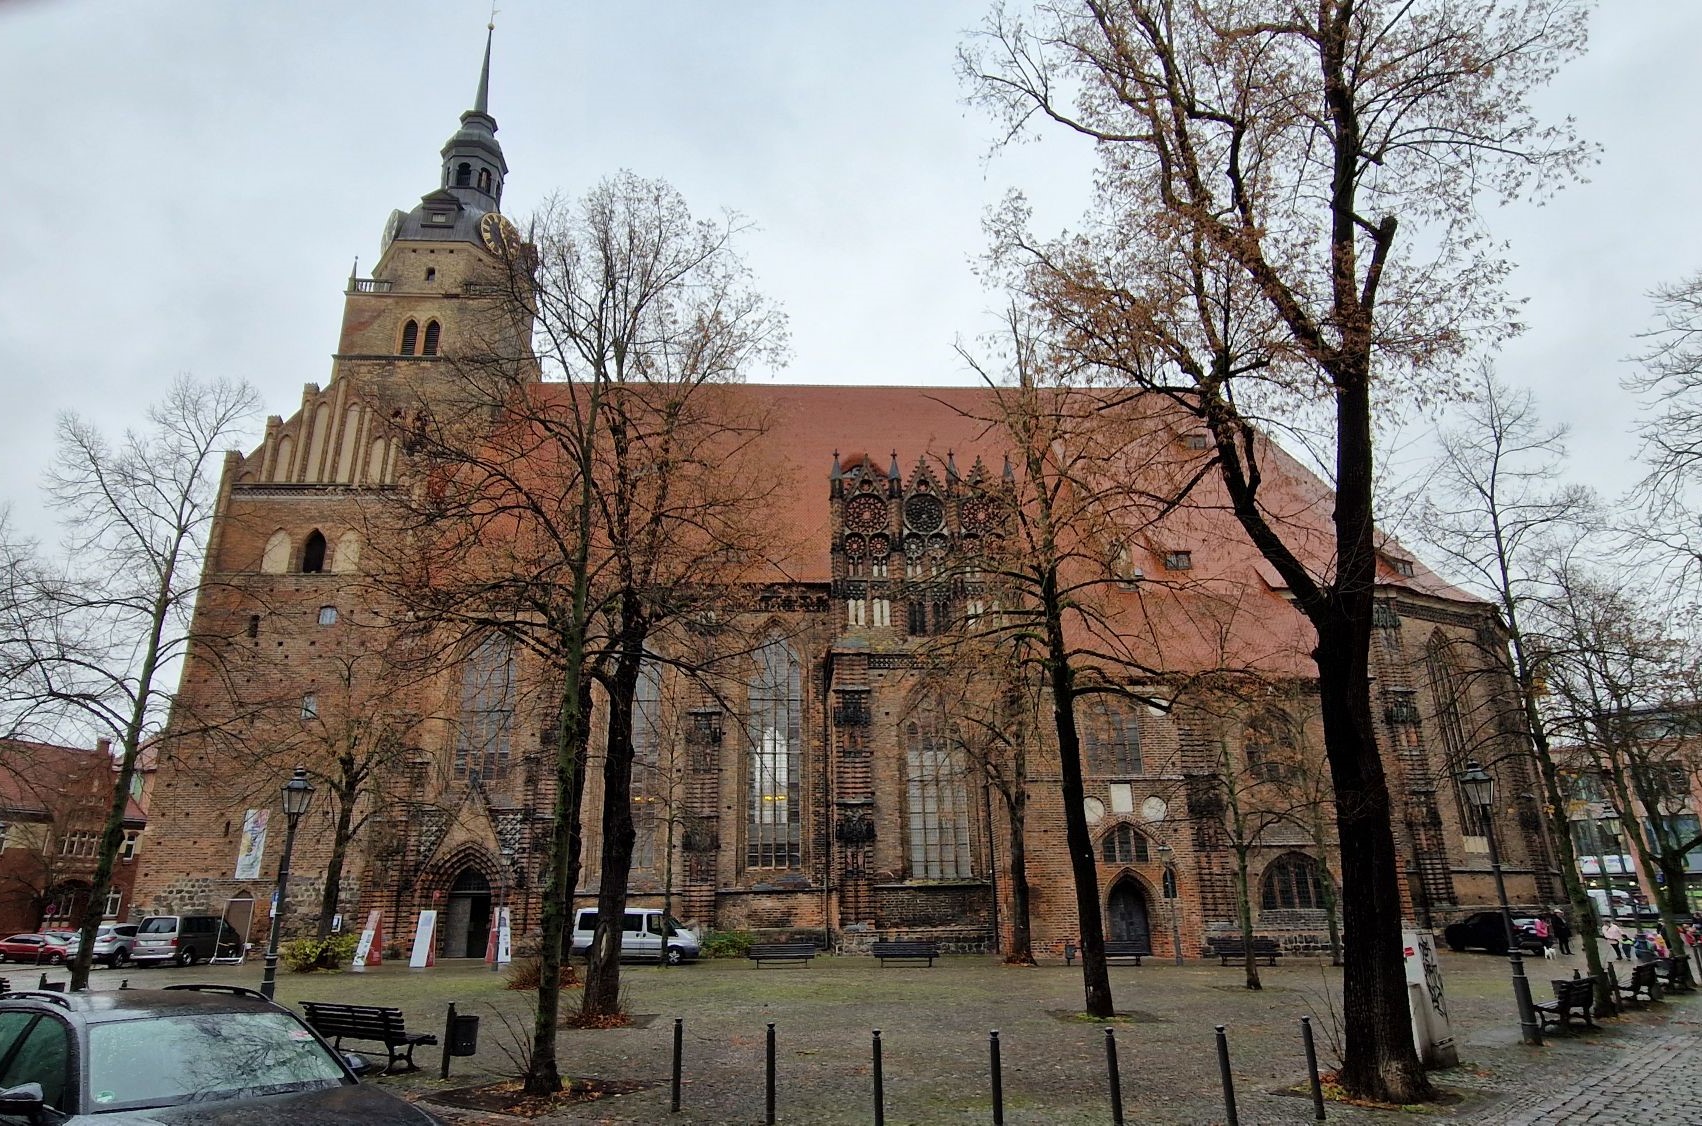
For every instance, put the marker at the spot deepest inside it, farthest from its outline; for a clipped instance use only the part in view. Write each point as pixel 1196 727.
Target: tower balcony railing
pixel 369 285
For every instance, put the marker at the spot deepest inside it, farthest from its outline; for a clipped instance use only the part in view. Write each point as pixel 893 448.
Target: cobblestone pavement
pixel 1653 1082
pixel 1640 1069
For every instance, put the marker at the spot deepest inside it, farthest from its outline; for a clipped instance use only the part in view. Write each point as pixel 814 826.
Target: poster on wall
pixel 425 941
pixel 253 845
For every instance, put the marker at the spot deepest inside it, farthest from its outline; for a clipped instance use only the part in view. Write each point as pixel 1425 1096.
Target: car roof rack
pixel 56 997
pixel 213 987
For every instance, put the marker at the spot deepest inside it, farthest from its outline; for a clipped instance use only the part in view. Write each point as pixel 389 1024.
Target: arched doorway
pixel 1126 913
pixel 467 915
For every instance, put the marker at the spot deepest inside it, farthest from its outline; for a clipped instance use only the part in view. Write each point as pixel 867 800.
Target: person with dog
pixel 1562 931
pixel 1539 926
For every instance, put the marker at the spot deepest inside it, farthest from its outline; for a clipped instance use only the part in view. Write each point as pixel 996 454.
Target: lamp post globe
pixel 1478 786
pixel 298 795
pixel 1167 857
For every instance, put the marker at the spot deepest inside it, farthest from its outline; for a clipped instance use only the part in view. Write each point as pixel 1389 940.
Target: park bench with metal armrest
pixel 900 950
pixel 1573 999
pixel 1265 949
pixel 763 952
pixel 338 1022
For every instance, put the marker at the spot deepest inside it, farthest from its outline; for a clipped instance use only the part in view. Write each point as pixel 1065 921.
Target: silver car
pixel 114 944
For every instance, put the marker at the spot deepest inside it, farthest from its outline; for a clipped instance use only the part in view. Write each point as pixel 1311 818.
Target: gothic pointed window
pixel 1113 740
pixel 431 334
pixel 1450 703
pixel 647 738
pixel 410 338
pixel 1124 844
pixel 772 727
pixel 313 553
pixel 487 710
pixel 937 802
pixel 1292 883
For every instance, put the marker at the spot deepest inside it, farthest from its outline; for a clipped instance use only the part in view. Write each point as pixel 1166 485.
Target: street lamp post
pixel 1479 787
pixel 298 795
pixel 1167 856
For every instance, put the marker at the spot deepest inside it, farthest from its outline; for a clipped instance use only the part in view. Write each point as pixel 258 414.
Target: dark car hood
pixel 362 1104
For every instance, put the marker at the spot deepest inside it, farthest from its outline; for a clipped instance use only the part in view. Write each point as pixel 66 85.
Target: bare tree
pixel 1624 692
pixel 1259 161
pixel 582 514
pixel 1498 515
pixel 111 624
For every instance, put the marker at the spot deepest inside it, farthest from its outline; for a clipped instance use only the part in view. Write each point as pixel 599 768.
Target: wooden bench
pixel 800 952
pixel 337 1022
pixel 1575 998
pixel 1672 977
pixel 1124 950
pixel 1643 984
pixel 1265 949
pixel 902 951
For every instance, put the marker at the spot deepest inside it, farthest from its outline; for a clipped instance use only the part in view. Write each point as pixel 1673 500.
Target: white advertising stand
pixel 1432 1034
pixel 425 942
pixel 370 951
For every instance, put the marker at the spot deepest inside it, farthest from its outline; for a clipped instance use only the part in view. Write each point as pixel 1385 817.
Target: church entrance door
pixel 1127 914
pixel 467 916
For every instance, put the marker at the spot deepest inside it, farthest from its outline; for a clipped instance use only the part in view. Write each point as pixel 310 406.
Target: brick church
pixel 808 793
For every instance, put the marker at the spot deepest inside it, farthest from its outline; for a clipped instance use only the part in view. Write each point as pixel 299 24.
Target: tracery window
pixel 776 702
pixel 1124 844
pixel 937 801
pixel 1292 883
pixel 487 710
pixel 1445 686
pixel 1113 739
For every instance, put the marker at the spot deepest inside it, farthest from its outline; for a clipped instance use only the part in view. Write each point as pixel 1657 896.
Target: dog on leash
pixel 1548 952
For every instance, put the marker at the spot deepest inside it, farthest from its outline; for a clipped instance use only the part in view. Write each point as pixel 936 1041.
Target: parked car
pixel 1485 930
pixel 210 1054
pixel 46 948
pixel 644 930
pixel 184 939
pixel 115 944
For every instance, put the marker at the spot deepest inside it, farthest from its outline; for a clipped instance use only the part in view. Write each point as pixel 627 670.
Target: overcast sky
pixel 190 183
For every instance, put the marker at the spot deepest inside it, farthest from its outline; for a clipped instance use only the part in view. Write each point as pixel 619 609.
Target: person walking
pixel 1562 931
pixel 1540 926
pixel 1614 935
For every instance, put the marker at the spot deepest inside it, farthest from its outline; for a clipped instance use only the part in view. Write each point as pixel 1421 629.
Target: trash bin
pixel 463 1034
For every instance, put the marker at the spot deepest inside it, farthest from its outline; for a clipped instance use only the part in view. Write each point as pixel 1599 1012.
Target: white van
pixel 645 933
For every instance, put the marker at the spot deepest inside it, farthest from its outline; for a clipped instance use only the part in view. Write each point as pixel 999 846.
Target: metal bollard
pixel 770 1118
pixel 448 1035
pixel 1312 1068
pixel 1116 1080
pixel 1230 1116
pixel 880 1083
pixel 998 1079
pixel 679 1050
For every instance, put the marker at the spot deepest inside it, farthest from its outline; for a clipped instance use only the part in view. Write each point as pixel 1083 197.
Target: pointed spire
pixel 481 100
pixel 1010 474
pixel 836 479
pixel 951 472
pixel 892 476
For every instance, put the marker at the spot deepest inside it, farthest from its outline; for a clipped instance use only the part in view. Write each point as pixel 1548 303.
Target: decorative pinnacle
pixel 481 100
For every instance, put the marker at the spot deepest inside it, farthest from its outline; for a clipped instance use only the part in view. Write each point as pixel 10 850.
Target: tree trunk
pixel 1244 915
pixel 561 873
pixel 1327 891
pixel 1586 926
pixel 1378 1054
pixel 340 836
pixel 1021 951
pixel 1675 905
pixel 602 978
pixel 1096 978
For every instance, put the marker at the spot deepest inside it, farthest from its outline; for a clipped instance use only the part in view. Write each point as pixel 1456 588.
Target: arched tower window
pixel 463 175
pixel 431 334
pixel 410 337
pixel 1124 844
pixel 1112 737
pixel 487 710
pixel 1291 883
pixel 313 553
pixel 937 801
pixel 484 179
pixel 776 704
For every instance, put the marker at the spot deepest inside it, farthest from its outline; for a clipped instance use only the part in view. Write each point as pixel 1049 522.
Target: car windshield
pixel 163 1060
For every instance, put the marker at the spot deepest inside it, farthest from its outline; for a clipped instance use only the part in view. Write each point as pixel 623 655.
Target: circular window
pixel 1095 810
pixel 924 513
pixel 856 547
pixel 976 515
pixel 865 513
pixel 1154 809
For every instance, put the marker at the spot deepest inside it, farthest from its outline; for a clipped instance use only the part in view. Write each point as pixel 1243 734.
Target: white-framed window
pixel 114 903
pixel 937 802
pixel 776 706
pixel 327 615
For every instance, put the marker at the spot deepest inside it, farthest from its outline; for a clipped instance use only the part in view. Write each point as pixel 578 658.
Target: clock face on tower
pixel 498 234
pixel 391 227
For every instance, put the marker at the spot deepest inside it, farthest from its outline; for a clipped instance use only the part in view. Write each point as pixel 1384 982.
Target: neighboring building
pixel 813 792
pixel 53 806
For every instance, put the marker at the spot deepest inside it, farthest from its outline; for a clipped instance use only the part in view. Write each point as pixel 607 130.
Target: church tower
pixel 442 270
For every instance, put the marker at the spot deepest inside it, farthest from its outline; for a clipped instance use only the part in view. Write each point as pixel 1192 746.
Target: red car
pixel 35 948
